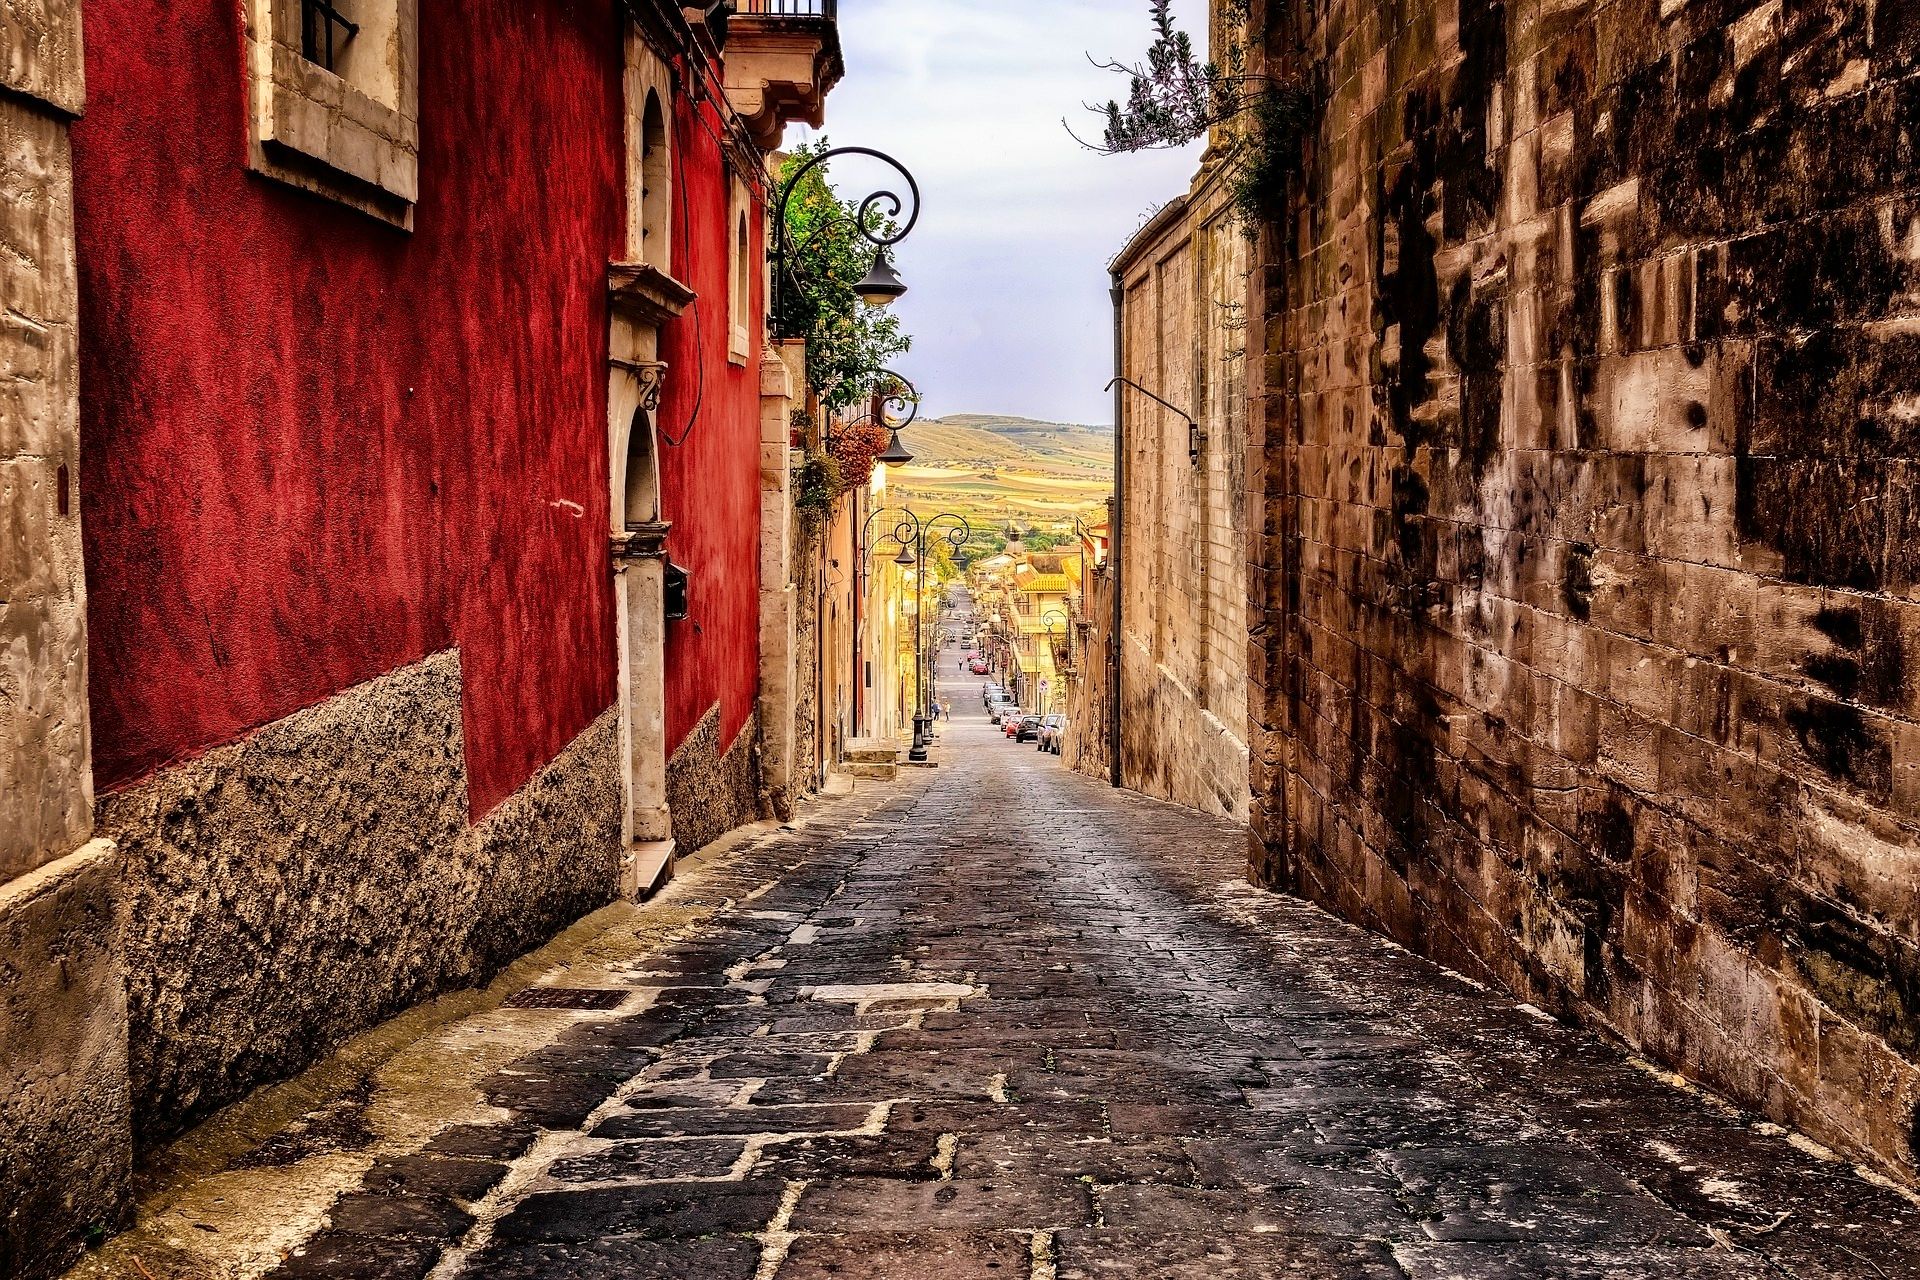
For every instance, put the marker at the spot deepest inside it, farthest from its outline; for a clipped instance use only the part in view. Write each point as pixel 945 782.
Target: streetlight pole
pixel 907 534
pixel 957 537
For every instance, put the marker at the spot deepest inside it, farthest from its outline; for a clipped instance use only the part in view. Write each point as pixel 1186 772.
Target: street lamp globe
pixel 905 559
pixel 882 283
pixel 895 453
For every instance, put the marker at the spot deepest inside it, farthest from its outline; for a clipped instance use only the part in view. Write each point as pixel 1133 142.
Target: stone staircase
pixel 877 758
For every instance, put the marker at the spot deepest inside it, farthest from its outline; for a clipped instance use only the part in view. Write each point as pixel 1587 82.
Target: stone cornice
pixel 645 293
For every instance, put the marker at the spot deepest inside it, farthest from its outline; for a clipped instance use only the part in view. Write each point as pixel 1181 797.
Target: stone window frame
pixel 652 183
pixel 352 137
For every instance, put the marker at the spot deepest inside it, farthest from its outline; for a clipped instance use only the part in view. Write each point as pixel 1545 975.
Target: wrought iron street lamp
pixel 904 397
pixel 899 395
pixel 957 537
pixel 907 533
pixel 882 284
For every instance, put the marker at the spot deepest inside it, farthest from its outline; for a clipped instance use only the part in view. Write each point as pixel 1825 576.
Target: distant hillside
pixel 984 439
pixel 996 470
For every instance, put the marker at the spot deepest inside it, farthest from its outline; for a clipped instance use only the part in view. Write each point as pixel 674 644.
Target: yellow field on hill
pixel 994 471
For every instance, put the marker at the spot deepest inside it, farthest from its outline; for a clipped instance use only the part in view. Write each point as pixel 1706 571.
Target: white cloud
pixel 1007 268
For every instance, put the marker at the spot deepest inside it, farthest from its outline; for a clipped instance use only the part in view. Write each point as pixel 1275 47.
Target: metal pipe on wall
pixel 1115 653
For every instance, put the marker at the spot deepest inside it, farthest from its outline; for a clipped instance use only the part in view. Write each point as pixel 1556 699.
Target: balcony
pixel 783 58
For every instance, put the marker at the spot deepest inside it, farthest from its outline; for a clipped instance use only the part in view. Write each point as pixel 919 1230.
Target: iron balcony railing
pixel 826 9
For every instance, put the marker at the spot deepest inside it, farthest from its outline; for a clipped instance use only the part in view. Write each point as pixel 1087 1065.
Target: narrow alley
pixel 766 639
pixel 997 1018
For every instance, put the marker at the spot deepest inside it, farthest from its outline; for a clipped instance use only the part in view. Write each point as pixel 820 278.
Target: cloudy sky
pixel 1007 269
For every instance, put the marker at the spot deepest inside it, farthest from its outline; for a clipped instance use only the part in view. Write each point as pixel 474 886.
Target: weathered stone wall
pixel 712 786
pixel 783 774
pixel 295 888
pixel 809 533
pixel 1584 598
pixel 1183 649
pixel 1088 745
pixel 65 1128
pixel 46 776
pixel 66 1137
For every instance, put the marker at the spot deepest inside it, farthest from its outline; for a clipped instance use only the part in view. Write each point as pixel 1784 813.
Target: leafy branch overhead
pixel 1174 98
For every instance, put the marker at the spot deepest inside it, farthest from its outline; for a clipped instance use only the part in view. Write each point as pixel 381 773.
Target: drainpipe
pixel 1115 650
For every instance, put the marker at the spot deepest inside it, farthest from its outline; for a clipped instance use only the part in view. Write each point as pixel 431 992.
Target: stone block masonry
pixel 65 1135
pixel 45 764
pixel 1583 582
pixel 1182 647
pixel 65 1117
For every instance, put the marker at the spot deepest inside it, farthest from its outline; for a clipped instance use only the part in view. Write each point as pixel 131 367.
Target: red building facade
pixel 420 501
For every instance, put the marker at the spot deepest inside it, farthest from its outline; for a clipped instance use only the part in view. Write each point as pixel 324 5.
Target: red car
pixel 978 667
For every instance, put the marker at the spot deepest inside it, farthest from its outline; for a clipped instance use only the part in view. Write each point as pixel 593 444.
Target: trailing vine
pixel 1174 98
pixel 816 485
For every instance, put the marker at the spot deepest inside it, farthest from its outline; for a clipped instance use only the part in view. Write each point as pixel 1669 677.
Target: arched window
pixel 743 269
pixel 656 187
pixel 741 338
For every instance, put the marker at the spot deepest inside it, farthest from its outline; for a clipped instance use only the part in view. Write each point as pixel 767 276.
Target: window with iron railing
pixel 323 30
pixel 787 8
pixel 351 135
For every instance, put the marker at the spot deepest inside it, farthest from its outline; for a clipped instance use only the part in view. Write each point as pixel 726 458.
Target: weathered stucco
pixel 297 887
pixel 1584 596
pixel 1183 707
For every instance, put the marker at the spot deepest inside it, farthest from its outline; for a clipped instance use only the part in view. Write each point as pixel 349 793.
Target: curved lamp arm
pixel 905 532
pixel 1193 428
pixel 894 204
pixel 904 398
pixel 959 535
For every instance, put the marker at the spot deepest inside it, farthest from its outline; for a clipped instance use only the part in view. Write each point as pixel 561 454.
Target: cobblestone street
pixel 996 1019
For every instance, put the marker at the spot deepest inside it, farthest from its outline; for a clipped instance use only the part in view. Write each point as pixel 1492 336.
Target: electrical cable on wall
pixel 686 245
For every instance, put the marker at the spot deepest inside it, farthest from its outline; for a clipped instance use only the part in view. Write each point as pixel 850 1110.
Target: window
pixel 648 92
pixel 323 29
pixel 335 102
pixel 740 343
pixel 656 188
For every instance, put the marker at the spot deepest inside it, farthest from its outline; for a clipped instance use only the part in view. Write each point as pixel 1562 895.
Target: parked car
pixel 978 666
pixel 1010 722
pixel 1028 728
pixel 999 712
pixel 991 693
pixel 1052 729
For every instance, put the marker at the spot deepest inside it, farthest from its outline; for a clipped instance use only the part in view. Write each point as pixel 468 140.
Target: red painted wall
pixel 317 448
pixel 710 484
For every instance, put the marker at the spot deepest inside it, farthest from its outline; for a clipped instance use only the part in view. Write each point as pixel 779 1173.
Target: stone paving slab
pixel 949 1255
pixel 998 1020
